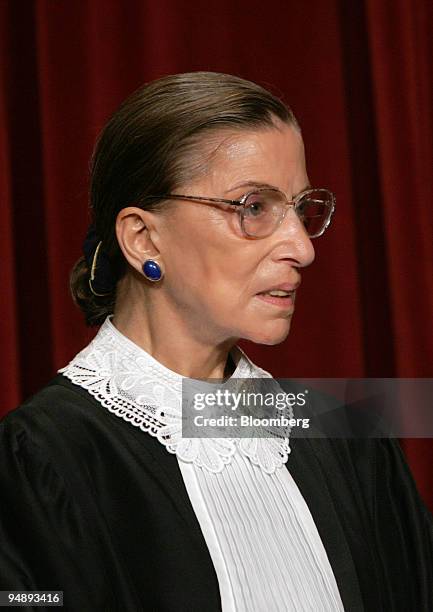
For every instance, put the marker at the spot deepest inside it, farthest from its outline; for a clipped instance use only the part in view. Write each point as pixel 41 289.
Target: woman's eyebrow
pixel 260 184
pixel 251 184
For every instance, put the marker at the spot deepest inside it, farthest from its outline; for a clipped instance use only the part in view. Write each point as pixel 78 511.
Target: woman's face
pixel 214 275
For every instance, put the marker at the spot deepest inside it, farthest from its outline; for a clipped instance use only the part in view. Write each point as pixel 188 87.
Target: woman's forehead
pixel 272 154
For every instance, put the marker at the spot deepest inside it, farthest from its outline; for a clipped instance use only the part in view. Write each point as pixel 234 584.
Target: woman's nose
pixel 298 244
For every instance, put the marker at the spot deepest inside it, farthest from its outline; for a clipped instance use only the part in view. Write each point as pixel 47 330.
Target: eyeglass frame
pixel 241 202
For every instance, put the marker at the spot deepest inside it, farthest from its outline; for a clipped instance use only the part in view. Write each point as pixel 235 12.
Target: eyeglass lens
pixel 264 210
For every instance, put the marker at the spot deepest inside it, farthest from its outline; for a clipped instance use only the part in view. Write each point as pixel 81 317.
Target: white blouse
pixel 262 539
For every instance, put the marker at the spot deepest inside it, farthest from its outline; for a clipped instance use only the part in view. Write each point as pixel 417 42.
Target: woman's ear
pixel 137 234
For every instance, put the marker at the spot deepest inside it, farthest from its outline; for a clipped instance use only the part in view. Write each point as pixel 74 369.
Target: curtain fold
pixel 402 58
pixel 9 320
pixel 359 77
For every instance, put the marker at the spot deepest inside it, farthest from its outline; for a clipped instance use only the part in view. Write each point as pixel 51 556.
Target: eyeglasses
pixel 261 211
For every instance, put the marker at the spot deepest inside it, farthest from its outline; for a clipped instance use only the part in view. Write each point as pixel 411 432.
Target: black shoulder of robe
pixel 93 506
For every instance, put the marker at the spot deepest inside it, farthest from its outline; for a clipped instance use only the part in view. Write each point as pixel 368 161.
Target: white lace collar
pixel 133 385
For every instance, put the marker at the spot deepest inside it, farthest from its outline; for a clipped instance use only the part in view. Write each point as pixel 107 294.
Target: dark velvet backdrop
pixel 358 75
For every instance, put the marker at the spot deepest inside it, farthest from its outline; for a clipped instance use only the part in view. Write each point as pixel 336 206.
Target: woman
pixel 203 216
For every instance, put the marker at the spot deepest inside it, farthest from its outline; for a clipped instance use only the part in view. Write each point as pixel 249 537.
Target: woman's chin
pixel 270 334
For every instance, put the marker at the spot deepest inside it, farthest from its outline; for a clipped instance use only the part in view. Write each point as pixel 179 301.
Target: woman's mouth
pixel 278 297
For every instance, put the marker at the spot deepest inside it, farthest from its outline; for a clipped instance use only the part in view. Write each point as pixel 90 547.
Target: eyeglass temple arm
pixel 174 196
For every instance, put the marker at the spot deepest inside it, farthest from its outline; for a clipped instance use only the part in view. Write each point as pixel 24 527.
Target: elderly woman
pixel 203 216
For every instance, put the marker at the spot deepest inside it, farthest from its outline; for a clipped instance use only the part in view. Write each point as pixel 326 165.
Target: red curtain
pixel 358 75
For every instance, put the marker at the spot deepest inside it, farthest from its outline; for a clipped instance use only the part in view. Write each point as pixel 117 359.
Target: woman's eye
pixel 255 209
pixel 302 208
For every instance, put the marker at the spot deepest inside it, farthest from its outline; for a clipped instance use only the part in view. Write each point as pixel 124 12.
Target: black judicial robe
pixel 93 506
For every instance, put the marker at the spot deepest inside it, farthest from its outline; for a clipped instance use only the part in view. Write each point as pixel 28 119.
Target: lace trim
pixel 131 384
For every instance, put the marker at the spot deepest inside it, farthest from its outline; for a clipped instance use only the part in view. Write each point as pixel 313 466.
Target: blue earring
pixel 152 270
